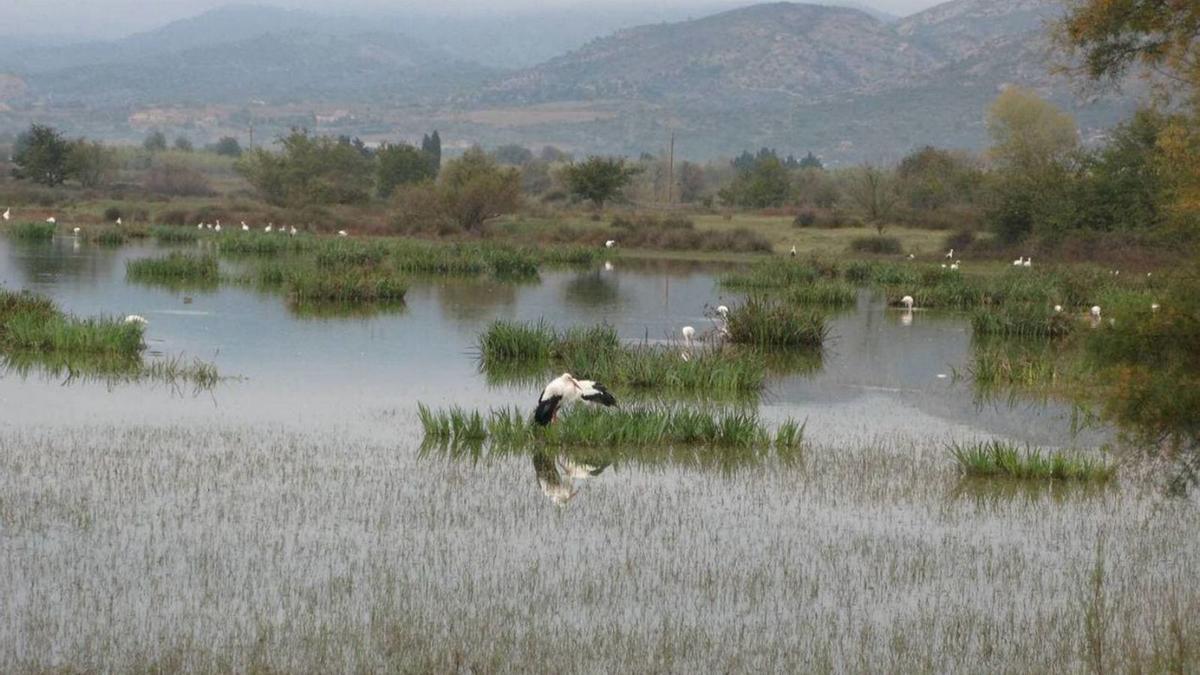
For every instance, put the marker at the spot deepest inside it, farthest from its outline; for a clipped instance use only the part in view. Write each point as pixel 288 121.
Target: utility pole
pixel 671 172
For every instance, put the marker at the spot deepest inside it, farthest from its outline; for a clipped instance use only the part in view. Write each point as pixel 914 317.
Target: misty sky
pixel 116 18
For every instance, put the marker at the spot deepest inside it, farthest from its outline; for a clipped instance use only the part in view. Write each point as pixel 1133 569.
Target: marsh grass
pixel 1023 320
pixel 173 234
pixel 822 293
pixel 354 285
pixel 30 231
pixel 175 268
pixel 997 459
pixel 33 331
pixel 769 324
pixel 525 350
pixel 106 236
pixel 627 426
pixel 771 275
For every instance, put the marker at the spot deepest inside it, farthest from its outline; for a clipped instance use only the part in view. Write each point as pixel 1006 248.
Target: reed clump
pixel 595 352
pixel 590 427
pixel 31 231
pixel 32 323
pixel 997 459
pixel 175 267
pixel 767 324
pixel 350 285
pixel 1022 320
pixel 173 234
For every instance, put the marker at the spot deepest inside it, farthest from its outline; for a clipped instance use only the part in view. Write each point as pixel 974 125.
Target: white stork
pixel 793 250
pixel 51 220
pixel 343 233
pixel 1028 262
pixel 269 227
pixel 118 220
pixel 134 318
pixel 907 301
pixel 611 243
pixel 245 227
pixel 7 213
pixel 1095 311
pixel 565 390
pixel 292 231
pixel 950 254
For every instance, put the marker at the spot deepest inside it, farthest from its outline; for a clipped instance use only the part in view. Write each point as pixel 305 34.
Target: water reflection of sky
pixel 879 377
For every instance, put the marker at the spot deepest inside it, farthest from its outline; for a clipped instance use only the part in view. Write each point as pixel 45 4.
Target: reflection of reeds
pixel 996 459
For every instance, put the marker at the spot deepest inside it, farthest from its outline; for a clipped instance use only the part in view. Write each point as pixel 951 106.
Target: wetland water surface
pixel 290 519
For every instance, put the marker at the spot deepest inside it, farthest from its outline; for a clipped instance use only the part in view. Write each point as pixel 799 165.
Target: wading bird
pixel 1028 262
pixel 76 231
pixel 1058 308
pixel 954 266
pixel 51 220
pixel 200 226
pixel 723 311
pixel 217 228
pixel 907 301
pixel 610 243
pixel 268 228
pixel 950 254
pixel 912 256
pixel 7 214
pixel 343 233
pixel 1096 311
pixel 688 334
pixel 245 227
pixel 134 318
pixel 293 231
pixel 118 220
pixel 1154 307
pixel 565 390
pixel 793 251
pixel 1018 262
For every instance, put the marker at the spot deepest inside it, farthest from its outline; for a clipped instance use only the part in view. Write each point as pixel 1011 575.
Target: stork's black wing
pixel 600 396
pixel 546 407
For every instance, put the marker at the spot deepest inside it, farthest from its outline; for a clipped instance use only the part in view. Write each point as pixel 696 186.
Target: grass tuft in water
pixel 587 426
pixel 1021 320
pixel 174 268
pixel 767 324
pixel 174 234
pixel 29 231
pixel 345 285
pixel 996 459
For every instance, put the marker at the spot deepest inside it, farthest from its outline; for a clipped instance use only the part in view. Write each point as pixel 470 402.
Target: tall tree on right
pixel 1108 37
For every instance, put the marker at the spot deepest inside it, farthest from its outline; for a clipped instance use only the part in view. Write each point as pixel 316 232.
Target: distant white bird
pixel 1058 308
pixel 954 266
pixel 722 310
pixel 608 266
pixel 200 226
pixel 1154 307
pixel 208 226
pixel 217 228
pixel 943 265
pixel 292 231
pixel 793 251
pixel 7 214
pixel 1117 273
pixel 118 220
pixel 1095 311
pixel 950 254
pixel 134 318
pixel 268 228
pixel 1028 262
pixel 76 231
pixel 218 223
pixel 565 390
pixel 1018 262
pixel 911 256
pixel 343 233
pixel 245 227
pixel 51 220
pixel 610 243
pixel 907 301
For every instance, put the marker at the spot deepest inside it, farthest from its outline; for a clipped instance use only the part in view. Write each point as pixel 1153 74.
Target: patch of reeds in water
pixel 591 427
pixel 996 459
pixel 771 275
pixel 175 267
pixel 821 293
pixel 174 234
pixel 28 331
pixel 595 352
pixel 30 231
pixel 348 285
pixel 1022 320
pixel 769 324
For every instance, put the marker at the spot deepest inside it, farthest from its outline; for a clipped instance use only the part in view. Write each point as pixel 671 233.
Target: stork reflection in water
pixel 560 478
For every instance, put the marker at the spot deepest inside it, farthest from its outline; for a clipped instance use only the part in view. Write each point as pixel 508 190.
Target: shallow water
pixel 289 520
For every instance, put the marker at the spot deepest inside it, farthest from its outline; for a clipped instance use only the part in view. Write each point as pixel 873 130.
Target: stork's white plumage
pixel 954 266
pixel 343 233
pixel 1058 308
pixel 7 214
pixel 135 318
pixel 907 301
pixel 1154 307
pixel 51 220
pixel 1018 262
pixel 565 390
pixel 118 220
pixel 722 310
pixel 793 250
pixel 292 231
pixel 1028 262
pixel 268 228
pixel 611 243
pixel 76 231
pixel 688 333
pixel 245 227
pixel 217 228
pixel 199 226
pixel 950 254
pixel 1096 311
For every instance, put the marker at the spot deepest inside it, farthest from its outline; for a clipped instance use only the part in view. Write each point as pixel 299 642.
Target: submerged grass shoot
pixel 996 459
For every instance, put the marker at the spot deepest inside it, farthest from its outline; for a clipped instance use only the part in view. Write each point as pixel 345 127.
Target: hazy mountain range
pixel 841 81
